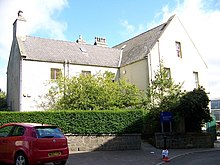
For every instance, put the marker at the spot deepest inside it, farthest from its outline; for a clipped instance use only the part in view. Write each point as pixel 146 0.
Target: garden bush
pixel 83 122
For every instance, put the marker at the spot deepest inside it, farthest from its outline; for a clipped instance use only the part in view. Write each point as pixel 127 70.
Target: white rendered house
pixel 170 43
pixel 34 61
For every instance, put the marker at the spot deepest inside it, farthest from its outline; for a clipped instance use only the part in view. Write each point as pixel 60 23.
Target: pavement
pixel 148 155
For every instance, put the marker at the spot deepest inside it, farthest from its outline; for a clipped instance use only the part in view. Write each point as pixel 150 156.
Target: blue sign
pixel 166 116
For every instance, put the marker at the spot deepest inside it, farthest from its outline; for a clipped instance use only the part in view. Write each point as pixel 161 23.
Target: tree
pixel 194 108
pixel 3 102
pixel 163 93
pixel 92 92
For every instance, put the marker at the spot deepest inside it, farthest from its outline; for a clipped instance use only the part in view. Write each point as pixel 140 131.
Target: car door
pixel 4 134
pixel 14 140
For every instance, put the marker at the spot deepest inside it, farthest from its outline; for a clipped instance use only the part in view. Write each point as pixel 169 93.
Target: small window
pixel 196 79
pixel 215 104
pixel 178 49
pixel 48 132
pixel 5 131
pixel 55 73
pixel 167 70
pixel 86 73
pixel 18 131
pixel 217 115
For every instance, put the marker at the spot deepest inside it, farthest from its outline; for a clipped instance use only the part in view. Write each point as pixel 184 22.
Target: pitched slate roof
pixel 50 50
pixel 138 47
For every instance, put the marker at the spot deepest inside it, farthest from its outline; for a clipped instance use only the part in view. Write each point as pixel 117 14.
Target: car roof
pixel 26 124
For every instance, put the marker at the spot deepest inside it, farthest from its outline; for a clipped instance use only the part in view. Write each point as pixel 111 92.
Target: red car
pixel 30 144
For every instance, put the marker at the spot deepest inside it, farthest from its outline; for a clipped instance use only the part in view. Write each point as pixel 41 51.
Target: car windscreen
pixel 48 132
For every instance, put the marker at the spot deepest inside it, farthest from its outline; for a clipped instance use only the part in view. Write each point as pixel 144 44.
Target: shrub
pixel 92 92
pixel 83 122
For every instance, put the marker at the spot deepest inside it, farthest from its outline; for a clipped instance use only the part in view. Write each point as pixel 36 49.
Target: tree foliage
pixel 3 102
pixel 194 108
pixel 92 92
pixel 163 93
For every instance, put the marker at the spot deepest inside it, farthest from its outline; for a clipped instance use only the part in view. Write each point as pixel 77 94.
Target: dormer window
pixel 178 49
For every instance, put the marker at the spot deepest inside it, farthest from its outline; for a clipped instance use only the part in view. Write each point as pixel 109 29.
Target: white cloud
pixel 131 30
pixel 40 18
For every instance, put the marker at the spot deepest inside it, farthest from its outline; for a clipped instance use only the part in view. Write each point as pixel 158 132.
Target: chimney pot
pixel 100 42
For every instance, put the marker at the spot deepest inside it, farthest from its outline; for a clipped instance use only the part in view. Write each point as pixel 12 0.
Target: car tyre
pixel 60 162
pixel 20 159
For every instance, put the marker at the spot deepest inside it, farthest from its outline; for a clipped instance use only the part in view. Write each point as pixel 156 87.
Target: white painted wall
pixel 35 76
pixel 13 78
pixel 136 73
pixel 181 68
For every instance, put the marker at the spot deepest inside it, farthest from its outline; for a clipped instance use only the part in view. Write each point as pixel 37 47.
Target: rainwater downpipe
pixel 120 59
pixel 64 68
pixel 158 48
pixel 20 88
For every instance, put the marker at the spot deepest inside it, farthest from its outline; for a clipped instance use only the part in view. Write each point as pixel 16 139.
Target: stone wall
pixel 187 140
pixel 104 142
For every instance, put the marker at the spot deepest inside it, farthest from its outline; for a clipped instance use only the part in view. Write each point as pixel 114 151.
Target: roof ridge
pixel 165 23
pixel 70 42
pixel 140 34
pixel 50 39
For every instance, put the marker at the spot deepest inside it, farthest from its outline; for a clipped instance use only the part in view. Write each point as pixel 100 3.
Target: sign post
pixel 166 117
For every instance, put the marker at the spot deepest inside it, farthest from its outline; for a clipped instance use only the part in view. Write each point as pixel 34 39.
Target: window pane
pixel 18 131
pixel 55 73
pixel 167 70
pixel 4 132
pixel 86 73
pixel 49 132
pixel 217 115
pixel 215 104
pixel 178 49
pixel 196 79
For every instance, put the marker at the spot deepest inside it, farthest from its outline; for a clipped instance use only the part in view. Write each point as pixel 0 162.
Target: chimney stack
pixel 80 40
pixel 100 42
pixel 19 27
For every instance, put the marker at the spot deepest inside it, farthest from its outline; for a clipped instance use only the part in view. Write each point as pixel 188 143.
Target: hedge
pixel 82 122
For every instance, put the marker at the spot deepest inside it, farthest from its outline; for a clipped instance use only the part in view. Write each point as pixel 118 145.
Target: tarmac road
pixel 198 158
pixel 132 157
pixel 148 155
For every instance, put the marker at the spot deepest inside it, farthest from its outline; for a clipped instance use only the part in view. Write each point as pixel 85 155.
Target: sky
pixel 117 21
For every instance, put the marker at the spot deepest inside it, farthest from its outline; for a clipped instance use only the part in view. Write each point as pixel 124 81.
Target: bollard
pixel 165 155
pixel 165 151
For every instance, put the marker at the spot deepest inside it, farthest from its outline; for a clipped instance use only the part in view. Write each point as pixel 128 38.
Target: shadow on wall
pixel 107 142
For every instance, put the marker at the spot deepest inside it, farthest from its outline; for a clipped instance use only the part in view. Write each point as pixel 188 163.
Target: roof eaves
pixel 61 62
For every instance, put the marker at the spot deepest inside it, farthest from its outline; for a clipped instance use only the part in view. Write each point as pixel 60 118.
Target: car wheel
pixel 21 159
pixel 60 162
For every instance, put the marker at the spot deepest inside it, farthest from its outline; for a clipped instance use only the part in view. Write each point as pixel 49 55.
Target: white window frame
pixel 196 78
pixel 178 49
pixel 55 73
pixel 168 72
pixel 86 72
